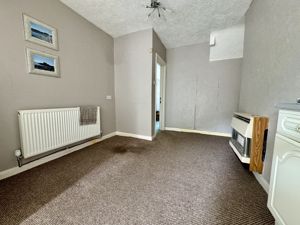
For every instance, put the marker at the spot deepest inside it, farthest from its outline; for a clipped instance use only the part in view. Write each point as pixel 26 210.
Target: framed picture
pixel 40 33
pixel 42 63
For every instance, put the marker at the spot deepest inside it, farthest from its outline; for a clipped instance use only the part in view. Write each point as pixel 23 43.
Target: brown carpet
pixel 176 179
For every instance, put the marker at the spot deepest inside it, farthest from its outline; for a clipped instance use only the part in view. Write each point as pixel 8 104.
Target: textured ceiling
pixel 189 22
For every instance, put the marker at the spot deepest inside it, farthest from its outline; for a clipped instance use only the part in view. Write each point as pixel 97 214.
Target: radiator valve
pixel 18 154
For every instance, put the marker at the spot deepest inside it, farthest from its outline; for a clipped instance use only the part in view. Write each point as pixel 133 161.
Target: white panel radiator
pixel 48 129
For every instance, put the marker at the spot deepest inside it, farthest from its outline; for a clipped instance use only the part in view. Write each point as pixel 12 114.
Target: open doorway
pixel 160 82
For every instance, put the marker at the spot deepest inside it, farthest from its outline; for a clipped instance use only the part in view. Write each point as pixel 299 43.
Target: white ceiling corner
pixel 190 21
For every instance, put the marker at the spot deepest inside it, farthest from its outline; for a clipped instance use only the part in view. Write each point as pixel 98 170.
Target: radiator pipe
pixel 22 161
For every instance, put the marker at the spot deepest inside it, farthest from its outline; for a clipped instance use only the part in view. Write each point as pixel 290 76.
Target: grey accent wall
pixel 201 95
pixel 160 49
pixel 133 82
pixel 271 64
pixel 87 72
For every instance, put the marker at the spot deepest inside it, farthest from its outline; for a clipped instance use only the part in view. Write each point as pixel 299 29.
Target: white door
pixel 160 90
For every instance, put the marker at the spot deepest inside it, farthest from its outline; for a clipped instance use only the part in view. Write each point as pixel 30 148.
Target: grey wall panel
pixel 271 68
pixel 201 95
pixel 218 95
pixel 86 62
pixel 133 82
pixel 181 87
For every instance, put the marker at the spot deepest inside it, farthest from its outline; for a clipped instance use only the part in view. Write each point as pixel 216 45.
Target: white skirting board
pixel 198 132
pixel 15 170
pixel 123 134
pixel 262 181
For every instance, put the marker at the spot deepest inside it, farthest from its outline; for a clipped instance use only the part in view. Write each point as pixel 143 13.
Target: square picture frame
pixel 42 63
pixel 39 32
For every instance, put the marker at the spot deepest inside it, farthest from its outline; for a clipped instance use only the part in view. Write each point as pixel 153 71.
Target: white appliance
pixel 284 192
pixel 242 127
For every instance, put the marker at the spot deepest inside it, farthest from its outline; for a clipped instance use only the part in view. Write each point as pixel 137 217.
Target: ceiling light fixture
pixel 155 6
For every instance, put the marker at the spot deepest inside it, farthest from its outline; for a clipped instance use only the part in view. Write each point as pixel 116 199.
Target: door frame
pixel 162 114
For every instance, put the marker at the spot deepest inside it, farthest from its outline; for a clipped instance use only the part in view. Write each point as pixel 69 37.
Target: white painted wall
pixel 229 43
